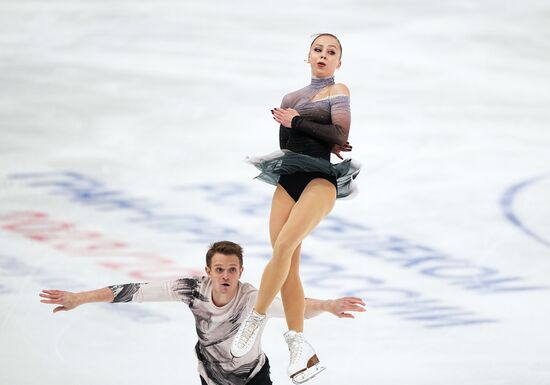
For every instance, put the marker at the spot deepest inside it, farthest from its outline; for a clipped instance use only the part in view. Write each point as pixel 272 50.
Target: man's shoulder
pixel 248 287
pixel 191 289
pixel 247 292
pixel 194 281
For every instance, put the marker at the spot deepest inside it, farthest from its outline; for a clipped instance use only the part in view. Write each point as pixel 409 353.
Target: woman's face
pixel 324 56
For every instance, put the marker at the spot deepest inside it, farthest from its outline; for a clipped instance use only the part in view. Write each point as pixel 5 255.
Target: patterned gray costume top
pixel 322 123
pixel 215 325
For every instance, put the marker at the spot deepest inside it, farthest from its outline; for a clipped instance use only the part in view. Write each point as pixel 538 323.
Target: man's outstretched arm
pixel 67 300
pixel 340 307
pixel 181 289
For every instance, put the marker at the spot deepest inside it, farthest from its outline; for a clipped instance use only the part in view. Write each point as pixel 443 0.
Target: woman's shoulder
pixel 340 89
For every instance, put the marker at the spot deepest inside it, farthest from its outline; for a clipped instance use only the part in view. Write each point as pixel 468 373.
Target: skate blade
pixel 307 374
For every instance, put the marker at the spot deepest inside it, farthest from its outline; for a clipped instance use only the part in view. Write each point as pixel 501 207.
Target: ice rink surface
pixel 123 129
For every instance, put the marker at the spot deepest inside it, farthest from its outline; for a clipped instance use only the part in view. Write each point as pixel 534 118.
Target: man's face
pixel 225 271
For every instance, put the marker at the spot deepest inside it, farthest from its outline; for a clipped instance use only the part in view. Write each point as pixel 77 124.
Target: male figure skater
pixel 219 303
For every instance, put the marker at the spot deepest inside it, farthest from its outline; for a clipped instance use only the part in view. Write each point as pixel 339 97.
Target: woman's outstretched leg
pixel 281 207
pixel 316 201
pixel 292 292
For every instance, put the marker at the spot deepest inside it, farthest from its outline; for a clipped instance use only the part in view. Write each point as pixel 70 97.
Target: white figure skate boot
pixel 247 333
pixel 304 364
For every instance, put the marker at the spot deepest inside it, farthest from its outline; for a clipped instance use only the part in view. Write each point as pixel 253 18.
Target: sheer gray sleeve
pixel 338 131
pixel 284 132
pixel 284 135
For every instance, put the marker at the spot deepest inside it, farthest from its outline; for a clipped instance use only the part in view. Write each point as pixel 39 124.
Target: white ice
pixel 159 103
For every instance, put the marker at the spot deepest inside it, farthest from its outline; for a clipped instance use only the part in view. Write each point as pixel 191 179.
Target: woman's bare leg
pixel 292 294
pixel 292 291
pixel 316 201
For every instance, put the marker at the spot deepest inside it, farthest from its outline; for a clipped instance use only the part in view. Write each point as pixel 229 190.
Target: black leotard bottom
pixel 294 184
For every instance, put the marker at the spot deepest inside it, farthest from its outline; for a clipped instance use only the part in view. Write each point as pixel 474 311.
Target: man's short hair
pixel 225 248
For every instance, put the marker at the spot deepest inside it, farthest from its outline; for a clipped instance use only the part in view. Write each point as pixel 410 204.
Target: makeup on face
pixel 324 56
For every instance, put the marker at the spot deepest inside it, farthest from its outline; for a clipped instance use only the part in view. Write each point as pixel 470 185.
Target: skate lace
pixel 295 347
pixel 251 324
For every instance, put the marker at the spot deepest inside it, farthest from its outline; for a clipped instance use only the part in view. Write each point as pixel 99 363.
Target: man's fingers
pixel 356 303
pixel 355 300
pixel 346 315
pixel 52 298
pixel 349 307
pixel 49 295
pixel 60 308
pixel 351 304
pixel 56 301
pixel 356 308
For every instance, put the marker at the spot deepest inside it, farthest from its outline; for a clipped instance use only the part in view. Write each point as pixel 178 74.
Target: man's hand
pixel 65 299
pixel 284 116
pixel 341 306
pixel 336 149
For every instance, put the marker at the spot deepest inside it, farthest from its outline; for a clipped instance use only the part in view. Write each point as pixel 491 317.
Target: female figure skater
pixel 314 121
